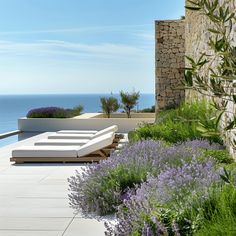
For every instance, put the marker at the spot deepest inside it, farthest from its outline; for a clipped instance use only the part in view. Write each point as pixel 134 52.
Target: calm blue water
pixel 14 106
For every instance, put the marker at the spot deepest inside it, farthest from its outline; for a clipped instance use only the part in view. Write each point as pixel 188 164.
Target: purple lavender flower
pixel 102 187
pixel 175 183
pixel 172 187
pixel 47 112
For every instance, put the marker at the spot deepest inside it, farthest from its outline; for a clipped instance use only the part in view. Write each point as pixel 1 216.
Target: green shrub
pixel 76 111
pixel 109 105
pixel 159 203
pixel 181 124
pixel 212 214
pixel 103 187
pixel 148 110
pixel 231 166
pixel 169 131
pixel 129 100
pixel 222 156
pixel 219 213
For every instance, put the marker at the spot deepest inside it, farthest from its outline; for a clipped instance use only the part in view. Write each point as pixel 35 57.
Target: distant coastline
pixel 14 106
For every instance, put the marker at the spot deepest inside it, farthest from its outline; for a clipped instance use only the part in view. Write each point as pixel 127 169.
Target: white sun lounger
pixel 112 128
pixel 77 131
pixel 95 150
pixel 61 142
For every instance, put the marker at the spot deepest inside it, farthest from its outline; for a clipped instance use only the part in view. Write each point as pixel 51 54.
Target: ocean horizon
pixel 15 106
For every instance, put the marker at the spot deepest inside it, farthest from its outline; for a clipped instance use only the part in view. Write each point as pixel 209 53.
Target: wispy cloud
pixel 105 28
pixel 149 36
pixel 53 48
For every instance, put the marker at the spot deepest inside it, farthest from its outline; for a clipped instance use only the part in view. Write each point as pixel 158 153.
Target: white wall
pixel 47 125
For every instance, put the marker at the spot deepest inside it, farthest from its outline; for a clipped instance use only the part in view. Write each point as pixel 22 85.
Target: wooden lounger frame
pixel 96 156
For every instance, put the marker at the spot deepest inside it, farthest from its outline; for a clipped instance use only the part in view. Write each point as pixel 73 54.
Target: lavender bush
pixel 47 112
pixel 100 187
pixel 156 207
pixel 54 112
pixel 103 187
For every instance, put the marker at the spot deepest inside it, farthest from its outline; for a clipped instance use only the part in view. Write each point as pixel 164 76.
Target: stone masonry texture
pixel 170 63
pixel 196 38
pixel 176 39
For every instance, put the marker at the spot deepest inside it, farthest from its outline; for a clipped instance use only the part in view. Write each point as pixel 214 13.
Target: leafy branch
pixel 217 82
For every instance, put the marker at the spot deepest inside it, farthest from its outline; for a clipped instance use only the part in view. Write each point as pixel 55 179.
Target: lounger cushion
pixel 64 151
pixel 77 132
pixel 109 129
pixel 112 128
pixel 45 151
pixel 71 136
pixel 61 142
pixel 96 144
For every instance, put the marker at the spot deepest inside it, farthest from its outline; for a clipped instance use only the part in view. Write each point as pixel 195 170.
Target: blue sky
pixel 80 46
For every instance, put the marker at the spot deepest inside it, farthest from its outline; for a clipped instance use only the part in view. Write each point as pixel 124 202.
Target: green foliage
pixel 222 156
pixel 101 188
pixel 133 136
pixel 231 166
pixel 148 110
pixel 109 105
pixel 129 100
pixel 215 82
pixel 169 131
pixel 219 212
pixel 181 124
pixel 76 111
pixel 213 214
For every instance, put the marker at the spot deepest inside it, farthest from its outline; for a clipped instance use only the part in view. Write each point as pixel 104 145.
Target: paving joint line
pixel 69 224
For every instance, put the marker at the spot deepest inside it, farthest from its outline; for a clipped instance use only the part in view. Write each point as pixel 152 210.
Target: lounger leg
pixel 19 162
pixel 102 153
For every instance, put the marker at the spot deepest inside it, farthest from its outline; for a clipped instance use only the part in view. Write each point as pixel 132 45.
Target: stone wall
pixel 196 38
pixel 197 35
pixel 170 62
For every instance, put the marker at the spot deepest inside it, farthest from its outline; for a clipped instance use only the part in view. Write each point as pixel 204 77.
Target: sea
pixel 13 107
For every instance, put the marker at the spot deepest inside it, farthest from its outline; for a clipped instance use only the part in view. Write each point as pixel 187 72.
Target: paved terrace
pixel 34 199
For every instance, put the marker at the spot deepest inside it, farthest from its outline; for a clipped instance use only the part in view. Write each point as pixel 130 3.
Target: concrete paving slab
pixel 34 198
pixel 62 173
pixel 44 191
pixel 40 224
pixel 29 233
pixel 55 182
pixel 3 169
pixel 12 190
pixel 85 227
pixel 29 170
pixel 40 202
pixel 35 212
pixel 20 178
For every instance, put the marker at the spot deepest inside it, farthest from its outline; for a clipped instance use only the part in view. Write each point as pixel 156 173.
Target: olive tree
pixel 129 101
pixel 218 82
pixel 109 105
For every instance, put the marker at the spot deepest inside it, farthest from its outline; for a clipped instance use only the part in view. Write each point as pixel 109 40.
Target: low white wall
pixel 47 125
pixel 123 115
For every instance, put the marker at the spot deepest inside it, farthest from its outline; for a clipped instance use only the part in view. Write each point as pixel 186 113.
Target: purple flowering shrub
pixel 157 205
pixel 104 186
pixel 100 188
pixel 54 112
pixel 47 112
